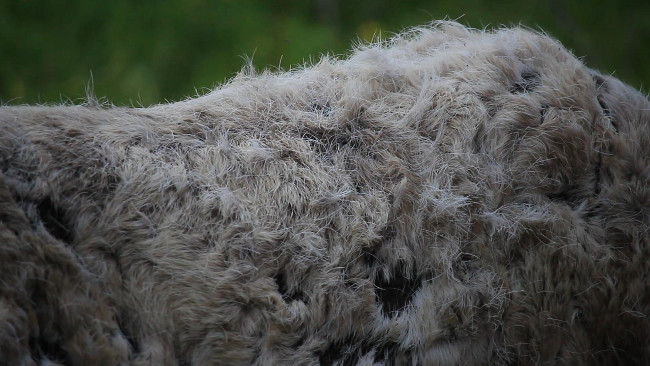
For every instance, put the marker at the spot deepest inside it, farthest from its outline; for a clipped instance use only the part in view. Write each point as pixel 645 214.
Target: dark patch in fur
pixel 349 351
pixel 183 361
pixel 288 295
pixel 346 136
pixel 542 114
pixel 597 169
pixel 528 83
pixel 324 109
pixel 333 353
pixel 566 195
pixel 337 352
pixel 601 83
pixel 112 182
pixel 122 320
pixel 45 340
pixel 298 343
pixel 388 232
pixel 467 257
pixel 370 254
pixel 607 112
pixel 359 186
pixel 322 139
pixel 386 352
pixel 54 220
pixel 50 351
pixel 603 88
pixel 395 294
pixel 291 155
pixel 479 139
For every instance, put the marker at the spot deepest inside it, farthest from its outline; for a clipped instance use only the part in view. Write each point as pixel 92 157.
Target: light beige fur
pixel 447 197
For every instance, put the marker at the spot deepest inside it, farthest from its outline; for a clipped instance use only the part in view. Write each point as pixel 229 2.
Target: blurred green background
pixel 146 52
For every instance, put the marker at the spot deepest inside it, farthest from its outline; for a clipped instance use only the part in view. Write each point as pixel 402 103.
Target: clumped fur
pixel 446 197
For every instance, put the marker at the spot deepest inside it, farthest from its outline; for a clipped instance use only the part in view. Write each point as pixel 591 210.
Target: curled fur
pixel 447 197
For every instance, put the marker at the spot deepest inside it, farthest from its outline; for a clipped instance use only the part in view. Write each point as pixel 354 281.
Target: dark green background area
pixel 145 52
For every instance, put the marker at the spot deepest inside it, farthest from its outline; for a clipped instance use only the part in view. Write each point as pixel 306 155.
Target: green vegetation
pixel 145 52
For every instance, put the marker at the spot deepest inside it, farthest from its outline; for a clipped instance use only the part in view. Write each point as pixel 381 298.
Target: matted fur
pixel 447 197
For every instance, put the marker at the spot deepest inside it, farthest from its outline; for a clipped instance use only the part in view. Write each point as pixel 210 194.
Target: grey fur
pixel 447 197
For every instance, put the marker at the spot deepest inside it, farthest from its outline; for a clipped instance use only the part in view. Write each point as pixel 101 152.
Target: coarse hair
pixel 448 196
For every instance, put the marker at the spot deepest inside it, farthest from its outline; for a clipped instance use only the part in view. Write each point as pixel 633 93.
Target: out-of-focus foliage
pixel 144 52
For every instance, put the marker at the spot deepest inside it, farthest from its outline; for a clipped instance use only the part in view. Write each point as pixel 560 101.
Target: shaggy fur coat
pixel 447 197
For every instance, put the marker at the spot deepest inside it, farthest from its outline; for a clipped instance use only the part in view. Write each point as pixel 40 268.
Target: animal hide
pixel 446 197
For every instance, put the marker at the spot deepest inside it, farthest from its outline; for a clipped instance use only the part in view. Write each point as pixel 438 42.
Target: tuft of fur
pixel 446 197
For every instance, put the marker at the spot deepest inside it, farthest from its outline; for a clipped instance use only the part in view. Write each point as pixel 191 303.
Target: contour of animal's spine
pixel 446 197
